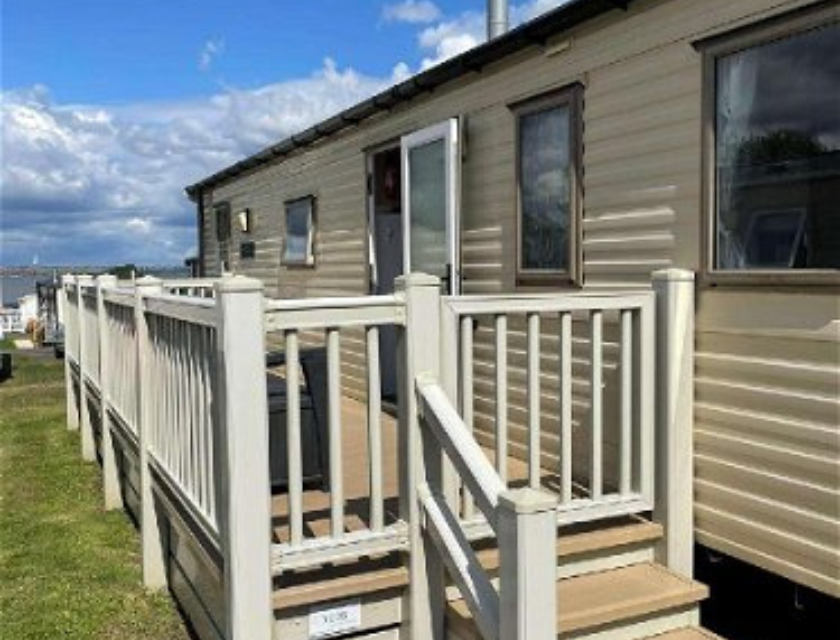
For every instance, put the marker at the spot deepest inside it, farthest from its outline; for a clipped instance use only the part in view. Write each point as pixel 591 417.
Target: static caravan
pixel 583 152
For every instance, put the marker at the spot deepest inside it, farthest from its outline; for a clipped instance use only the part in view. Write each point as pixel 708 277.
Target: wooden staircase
pixel 376 585
pixel 609 588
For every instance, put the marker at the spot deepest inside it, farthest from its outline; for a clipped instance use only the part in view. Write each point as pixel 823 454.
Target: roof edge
pixel 533 32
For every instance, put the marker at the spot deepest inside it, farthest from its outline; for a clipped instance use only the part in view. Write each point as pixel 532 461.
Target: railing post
pixel 245 521
pixel 69 332
pixel 88 445
pixel 154 563
pixel 675 417
pixel 418 354
pixel 527 530
pixel 110 476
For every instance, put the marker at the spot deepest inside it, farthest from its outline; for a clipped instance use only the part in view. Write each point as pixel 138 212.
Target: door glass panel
pixel 427 197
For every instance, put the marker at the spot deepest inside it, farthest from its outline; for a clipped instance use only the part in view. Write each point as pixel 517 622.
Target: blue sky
pixel 111 107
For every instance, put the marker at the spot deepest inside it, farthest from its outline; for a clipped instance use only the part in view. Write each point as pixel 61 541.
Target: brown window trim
pixel 571 96
pixel 780 26
pixel 309 262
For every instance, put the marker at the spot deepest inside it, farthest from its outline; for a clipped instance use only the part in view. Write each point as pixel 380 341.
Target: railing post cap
pixel 673 275
pixel 68 278
pixel 84 277
pixel 527 500
pixel 238 284
pixel 411 280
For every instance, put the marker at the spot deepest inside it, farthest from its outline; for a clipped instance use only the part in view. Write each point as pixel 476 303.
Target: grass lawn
pixel 68 569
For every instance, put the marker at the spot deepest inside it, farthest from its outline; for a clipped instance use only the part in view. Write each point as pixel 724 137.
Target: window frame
pixel 219 210
pixel 570 96
pixel 309 259
pixel 747 37
pixel 223 211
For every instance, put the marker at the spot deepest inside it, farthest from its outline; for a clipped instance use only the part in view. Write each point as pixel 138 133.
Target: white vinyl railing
pixel 181 374
pixel 523 521
pixel 180 369
pixel 89 331
pixel 581 486
pixel 330 319
pixel 121 355
pixel 70 313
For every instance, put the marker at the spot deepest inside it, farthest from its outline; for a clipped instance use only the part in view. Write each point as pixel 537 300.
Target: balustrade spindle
pixel 374 425
pixel 596 319
pixel 534 400
pixel 501 396
pixel 566 434
pixel 336 471
pixel 467 396
pixel 626 400
pixel 293 438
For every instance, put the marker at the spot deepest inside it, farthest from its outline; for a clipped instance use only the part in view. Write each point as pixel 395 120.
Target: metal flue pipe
pixel 497 18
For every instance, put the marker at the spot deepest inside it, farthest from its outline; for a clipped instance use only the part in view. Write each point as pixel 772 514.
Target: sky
pixel 109 108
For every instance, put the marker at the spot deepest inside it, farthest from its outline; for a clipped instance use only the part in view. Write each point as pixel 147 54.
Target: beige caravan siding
pixel 765 426
pixel 767 434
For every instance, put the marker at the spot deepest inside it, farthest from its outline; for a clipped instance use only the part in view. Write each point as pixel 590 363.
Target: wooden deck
pixel 316 502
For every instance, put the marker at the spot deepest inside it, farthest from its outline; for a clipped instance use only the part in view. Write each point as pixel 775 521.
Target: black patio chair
pixel 314 428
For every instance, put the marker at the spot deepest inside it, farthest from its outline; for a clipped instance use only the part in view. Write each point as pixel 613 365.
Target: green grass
pixel 68 569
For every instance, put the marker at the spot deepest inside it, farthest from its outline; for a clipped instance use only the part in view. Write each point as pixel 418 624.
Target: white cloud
pixel 452 36
pixel 143 226
pixel 90 183
pixel 211 50
pixel 411 11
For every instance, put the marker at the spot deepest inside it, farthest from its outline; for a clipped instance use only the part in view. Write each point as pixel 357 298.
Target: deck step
pixel 336 583
pixel 688 633
pixel 596 600
pixel 582 540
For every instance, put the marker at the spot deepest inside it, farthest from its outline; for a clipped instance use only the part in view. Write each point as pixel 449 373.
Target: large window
pixel 775 153
pixel 300 232
pixel 548 161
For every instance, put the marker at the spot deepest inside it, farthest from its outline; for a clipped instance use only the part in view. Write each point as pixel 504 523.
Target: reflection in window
pixel 299 232
pixel 778 154
pixel 427 177
pixel 545 189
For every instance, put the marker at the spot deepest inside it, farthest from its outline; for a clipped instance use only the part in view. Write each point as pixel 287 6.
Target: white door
pixel 431 173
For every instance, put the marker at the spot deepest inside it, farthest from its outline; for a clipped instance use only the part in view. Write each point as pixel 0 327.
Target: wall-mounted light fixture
pixel 244 218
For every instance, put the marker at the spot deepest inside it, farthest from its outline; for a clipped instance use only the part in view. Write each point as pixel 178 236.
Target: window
pixel 222 222
pixel 774 193
pixel 223 231
pixel 548 165
pixel 300 232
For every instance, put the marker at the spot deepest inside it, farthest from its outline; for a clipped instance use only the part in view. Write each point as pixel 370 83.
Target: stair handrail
pixel 523 520
pixel 460 446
